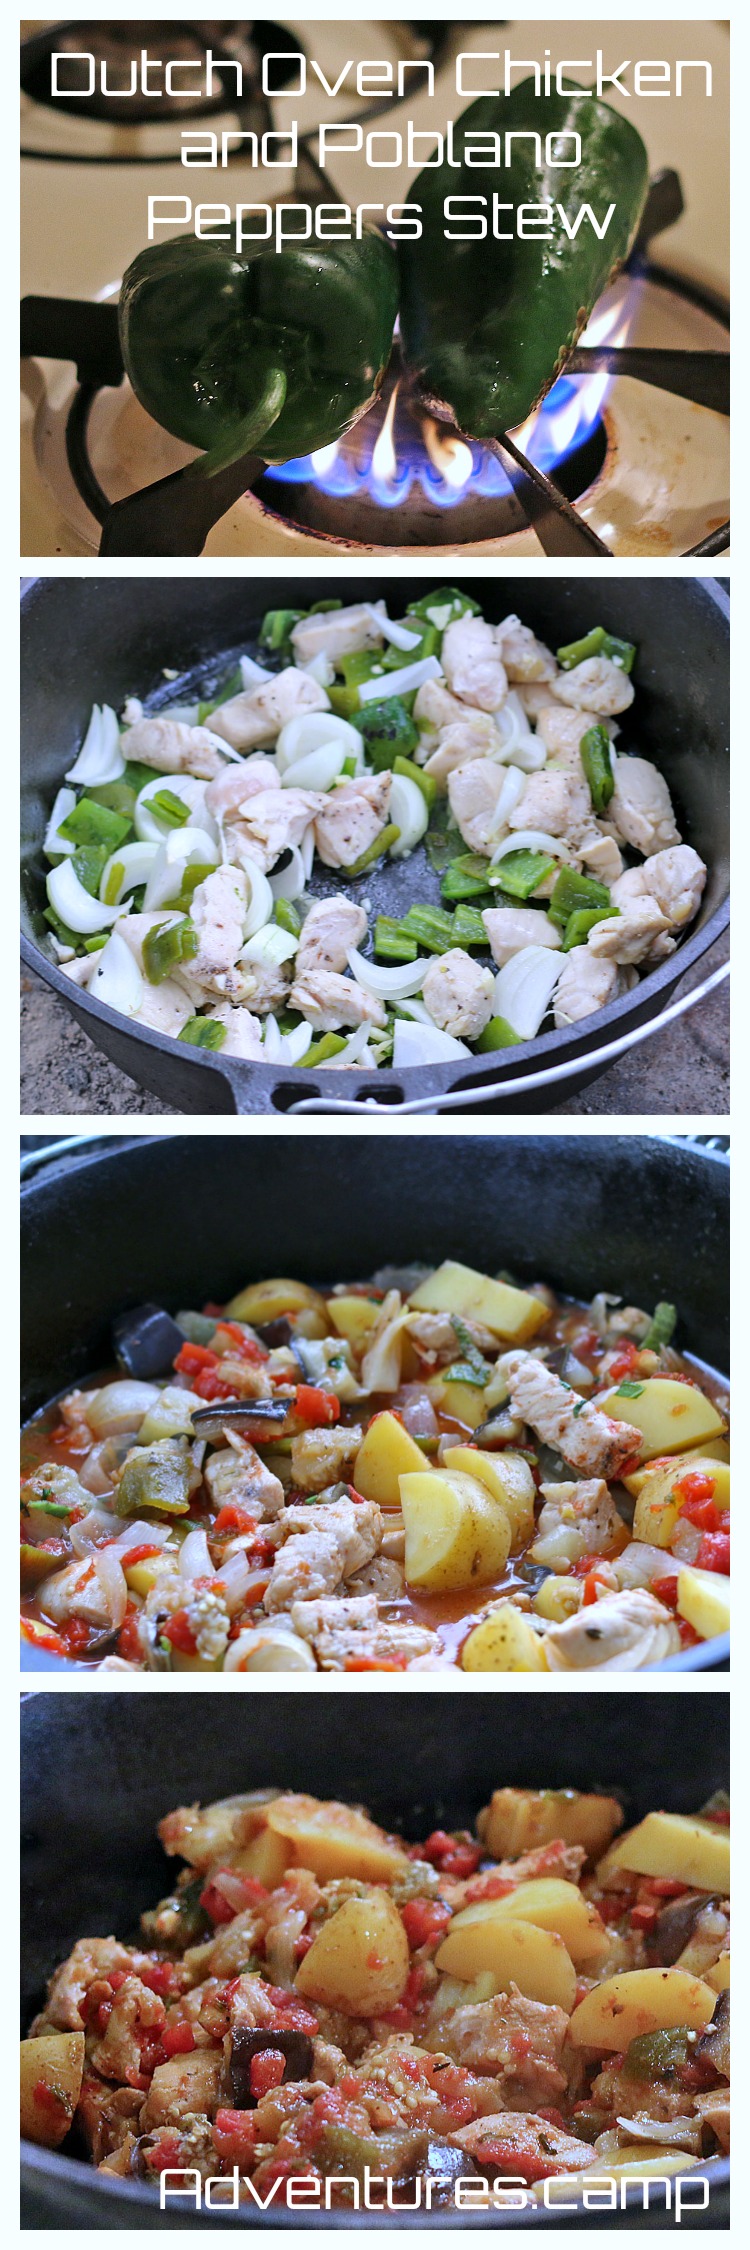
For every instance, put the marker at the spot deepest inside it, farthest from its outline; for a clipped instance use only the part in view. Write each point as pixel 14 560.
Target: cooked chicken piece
pixel 333 927
pixel 332 1003
pixel 435 1335
pixel 675 879
pixel 135 927
pixel 134 2013
pixel 186 2086
pixel 601 855
pixel 105 2115
pixel 244 1032
pixel 265 985
pixel 557 803
pixel 271 823
pixel 640 812
pixel 638 1565
pixel 238 783
pixel 79 972
pixel 349 819
pixel 472 662
pixel 335 633
pixel 76 1591
pixel 596 685
pixel 516 2040
pixel 587 1439
pixel 217 913
pixel 472 737
pixel 164 1007
pixel 534 697
pixel 525 658
pixel 209 1835
pixel 473 791
pixel 51 1478
pixel 323 1544
pixel 382 1577
pixel 260 713
pixel 639 933
pixel 511 928
pixel 319 1456
pixel 350 1628
pixel 562 733
pixel 587 984
pixel 457 994
pixel 713 2109
pixel 577 1519
pixel 90 1960
pixel 525 2146
pixel 237 1474
pixel 620 1633
pixel 174 748
pixel 435 708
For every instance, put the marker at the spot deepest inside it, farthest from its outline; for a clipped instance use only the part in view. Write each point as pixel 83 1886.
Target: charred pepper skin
pixel 487 325
pixel 275 352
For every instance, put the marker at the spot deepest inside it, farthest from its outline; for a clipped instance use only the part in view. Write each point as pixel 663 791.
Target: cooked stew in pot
pixel 428 1469
pixel 316 1999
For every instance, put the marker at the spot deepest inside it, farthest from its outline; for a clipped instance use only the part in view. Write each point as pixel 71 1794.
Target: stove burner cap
pixel 358 518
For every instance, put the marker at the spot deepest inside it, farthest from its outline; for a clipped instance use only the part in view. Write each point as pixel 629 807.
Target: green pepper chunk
pixel 656 2055
pixel 117 796
pixel 596 759
pixel 157 1476
pixel 468 927
pixel 520 873
pixel 388 732
pixel 88 863
pixel 95 944
pixel 578 925
pixel 265 350
pixel 597 643
pixel 286 917
pixel 376 850
pixel 661 1328
pixel 392 941
pixel 443 607
pixel 487 324
pixel 90 823
pixel 202 1031
pixel 322 1050
pixel 497 1033
pixel 60 929
pixel 430 926
pixel 425 781
pixel 277 628
pixel 572 891
pixel 466 878
pixel 396 659
pixel 197 1326
pixel 167 944
pixel 169 809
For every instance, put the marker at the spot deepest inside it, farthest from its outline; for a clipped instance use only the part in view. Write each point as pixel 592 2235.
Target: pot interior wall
pixel 99 1771
pixel 180 1219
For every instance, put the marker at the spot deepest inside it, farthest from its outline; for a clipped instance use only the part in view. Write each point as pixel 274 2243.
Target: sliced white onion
pixel 140 1535
pixel 513 787
pixel 260 899
pixel 531 840
pixel 182 848
pixel 317 770
pixel 354 1049
pixel 234 1576
pixel 388 984
pixel 94 1527
pixel 524 988
pixel 402 682
pixel 185 714
pixel 132 711
pixel 409 809
pixel 111 1578
pixel 310 732
pixel 401 636
pixel 270 944
pixel 422 1043
pixel 253 673
pixel 195 1560
pixel 116 978
pixel 135 862
pixel 64 803
pixel 289 881
pixel 415 1010
pixel 321 669
pixel 120 1406
pixel 75 906
pixel 295 1043
pixel 100 757
pixel 273 1044
pixel 518 745
pixel 192 793
pixel 269 1648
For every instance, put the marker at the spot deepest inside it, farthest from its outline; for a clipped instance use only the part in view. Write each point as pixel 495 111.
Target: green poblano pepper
pixel 159 1476
pixel 488 325
pixel 277 352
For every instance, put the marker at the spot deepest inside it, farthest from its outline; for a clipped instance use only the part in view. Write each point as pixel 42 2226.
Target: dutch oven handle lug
pixel 252 1088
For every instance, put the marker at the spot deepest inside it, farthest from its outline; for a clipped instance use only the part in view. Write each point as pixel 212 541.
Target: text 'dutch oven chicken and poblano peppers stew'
pixel 428 1469
pixel 317 2000
pixel 183 845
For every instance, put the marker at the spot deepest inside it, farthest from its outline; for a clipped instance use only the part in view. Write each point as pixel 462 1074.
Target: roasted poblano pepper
pixel 158 1476
pixel 487 325
pixel 272 352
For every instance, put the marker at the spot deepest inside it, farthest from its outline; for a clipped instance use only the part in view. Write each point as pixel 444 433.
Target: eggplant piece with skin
pixel 295 2047
pixel 675 1925
pixel 487 325
pixel 713 2045
pixel 244 1416
pixel 146 1342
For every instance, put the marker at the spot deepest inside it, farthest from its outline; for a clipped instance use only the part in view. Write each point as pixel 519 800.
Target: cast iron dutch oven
pixel 99 1771
pixel 174 1220
pixel 98 640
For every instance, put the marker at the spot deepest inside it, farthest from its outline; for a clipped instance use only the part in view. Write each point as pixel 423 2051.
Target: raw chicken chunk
pixel 472 737
pixel 640 812
pixel 587 1439
pixel 335 633
pixel 638 933
pixel 238 783
pixel 244 1031
pixel 472 662
pixel 329 932
pixel 525 658
pixel 457 993
pixel 554 802
pixel 331 1002
pixel 260 713
pixel 473 791
pixel 174 748
pixel 271 823
pixel 217 913
pixel 349 819
pixel 511 928
pixel 597 685
pixel 587 984
pixel 675 879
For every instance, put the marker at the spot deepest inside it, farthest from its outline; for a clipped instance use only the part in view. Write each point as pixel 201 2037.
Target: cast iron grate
pixel 174 515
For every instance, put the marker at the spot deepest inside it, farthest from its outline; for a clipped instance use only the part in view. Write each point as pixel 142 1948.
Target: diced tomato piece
pixel 211 1387
pixel 234 1518
pixel 688 1635
pixel 665 1590
pixel 720 1815
pixel 215 1905
pixel 424 1920
pixel 454 1855
pixel 159 1976
pixel 302 1945
pixel 266 2071
pixel 644 1916
pixel 697 1484
pixel 375 1664
pixel 713 1552
pixel 317 1408
pixel 490 1886
pixel 76 1636
pixel 663 1886
pixel 234 2135
pixel 129 1639
pixel 178 1630
pixel 623 1365
pixel 193 1357
pixel 553 2117
pixel 166 2156
pixel 242 1346
pixel 137 1554
pixel 585 1565
pixel 594 1578
pixel 704 1514
pixel 47 2098
pixel 178 2039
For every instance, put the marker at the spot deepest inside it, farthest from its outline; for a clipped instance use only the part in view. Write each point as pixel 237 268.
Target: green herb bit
pixel 597 643
pixel 473 1368
pixel 577 928
pixel 165 945
pixel 349 769
pixel 92 824
pixel 202 1031
pixel 376 850
pixel 520 873
pixel 572 891
pixel 321 1051
pixel 596 760
pixel 392 941
pixel 661 1328
pixel 286 917
pixel 497 1033
pixel 629 1390
pixel 48 1507
pixel 425 781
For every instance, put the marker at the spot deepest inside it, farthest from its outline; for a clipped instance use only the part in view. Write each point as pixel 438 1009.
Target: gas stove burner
pixel 117 49
pixel 631 469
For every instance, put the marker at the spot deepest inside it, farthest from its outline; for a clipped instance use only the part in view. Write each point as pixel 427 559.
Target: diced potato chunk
pixel 518 1820
pixel 668 1414
pixel 456 1535
pixel 516 1952
pixel 336 1840
pixel 141 1576
pixel 353 1317
pixel 512 1314
pixel 715 1449
pixel 557 1598
pixel 718 1976
pixel 359 1961
pixel 264 1301
pixel 659 1501
pixel 504 1642
pixel 51 2074
pixel 387 1452
pixel 509 1479
pixel 267 1857
pixel 551 1905
pixel 638 2001
pixel 703 1599
pixel 460 1402
pixel 170 1416
pixel 678 1849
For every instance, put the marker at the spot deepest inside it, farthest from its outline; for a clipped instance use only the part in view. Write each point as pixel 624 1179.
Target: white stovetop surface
pixel 82 224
